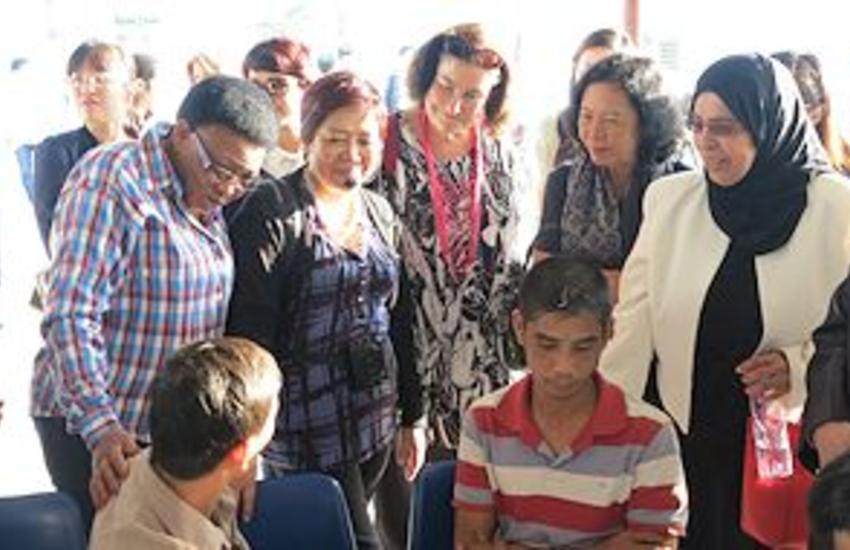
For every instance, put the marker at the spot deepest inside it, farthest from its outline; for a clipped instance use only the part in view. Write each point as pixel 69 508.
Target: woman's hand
pixel 765 375
pixel 410 450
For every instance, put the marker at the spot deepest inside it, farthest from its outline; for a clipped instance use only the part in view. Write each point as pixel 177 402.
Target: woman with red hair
pixel 318 284
pixel 280 66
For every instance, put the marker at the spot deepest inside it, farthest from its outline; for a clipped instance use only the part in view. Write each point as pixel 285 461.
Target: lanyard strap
pixel 437 186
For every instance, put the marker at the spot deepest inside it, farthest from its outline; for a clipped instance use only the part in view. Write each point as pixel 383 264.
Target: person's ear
pixel 518 325
pixel 238 456
pixel 607 329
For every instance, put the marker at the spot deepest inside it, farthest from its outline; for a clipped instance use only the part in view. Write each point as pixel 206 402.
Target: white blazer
pixel 677 253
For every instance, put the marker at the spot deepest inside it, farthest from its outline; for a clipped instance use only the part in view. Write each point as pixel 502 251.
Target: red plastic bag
pixel 774 511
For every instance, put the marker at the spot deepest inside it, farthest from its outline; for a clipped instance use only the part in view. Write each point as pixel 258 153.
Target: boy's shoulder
pixel 493 399
pixel 639 409
pixel 639 415
pixel 500 411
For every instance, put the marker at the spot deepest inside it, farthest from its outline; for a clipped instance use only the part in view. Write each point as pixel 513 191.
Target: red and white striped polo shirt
pixel 623 471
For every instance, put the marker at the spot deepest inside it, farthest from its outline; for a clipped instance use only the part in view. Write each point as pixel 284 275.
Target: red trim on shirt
pixel 513 416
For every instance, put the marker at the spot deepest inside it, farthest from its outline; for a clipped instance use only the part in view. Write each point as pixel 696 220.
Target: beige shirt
pixel 147 515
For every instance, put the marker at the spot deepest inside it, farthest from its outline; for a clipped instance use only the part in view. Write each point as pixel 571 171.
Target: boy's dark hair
pixel 236 104
pixel 829 501
pixel 211 395
pixel 566 286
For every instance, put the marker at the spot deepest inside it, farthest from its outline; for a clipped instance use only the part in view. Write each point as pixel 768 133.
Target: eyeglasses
pixel 483 57
pixel 279 85
pixel 221 172
pixel 273 86
pixel 717 128
pixel 93 80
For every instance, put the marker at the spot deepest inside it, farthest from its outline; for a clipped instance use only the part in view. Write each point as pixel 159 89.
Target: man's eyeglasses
pixel 222 173
pixel 717 128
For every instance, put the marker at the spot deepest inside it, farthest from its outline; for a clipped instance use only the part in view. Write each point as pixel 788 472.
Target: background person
pixel 557 143
pixel 99 75
pixel 807 72
pixel 141 102
pixel 280 66
pixel 200 67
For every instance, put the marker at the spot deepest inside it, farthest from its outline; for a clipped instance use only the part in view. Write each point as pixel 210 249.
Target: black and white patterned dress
pixel 461 333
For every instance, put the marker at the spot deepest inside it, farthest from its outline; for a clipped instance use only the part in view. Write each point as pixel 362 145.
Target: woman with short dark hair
pixel 453 181
pixel 318 284
pixel 100 75
pixel 554 143
pixel 629 133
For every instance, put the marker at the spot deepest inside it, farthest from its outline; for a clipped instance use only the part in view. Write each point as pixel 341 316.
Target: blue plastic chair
pixel 47 521
pixel 432 518
pixel 300 511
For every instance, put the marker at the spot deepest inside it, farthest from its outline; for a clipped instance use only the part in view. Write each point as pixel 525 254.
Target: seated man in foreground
pixel 212 412
pixel 562 457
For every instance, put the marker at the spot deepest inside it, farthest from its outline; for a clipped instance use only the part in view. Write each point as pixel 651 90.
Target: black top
pixel 729 331
pixel 271 237
pixel 54 158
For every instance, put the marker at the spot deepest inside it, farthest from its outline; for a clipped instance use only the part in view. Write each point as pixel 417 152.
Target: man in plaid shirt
pixel 142 265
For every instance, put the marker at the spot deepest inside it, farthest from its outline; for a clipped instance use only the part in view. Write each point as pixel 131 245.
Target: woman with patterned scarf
pixel 630 133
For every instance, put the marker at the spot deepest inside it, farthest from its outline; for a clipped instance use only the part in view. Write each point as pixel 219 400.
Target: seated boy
pixel 829 506
pixel 562 458
pixel 212 412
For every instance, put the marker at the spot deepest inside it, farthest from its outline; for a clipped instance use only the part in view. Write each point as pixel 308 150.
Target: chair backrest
pixel 47 521
pixel 300 511
pixel 432 523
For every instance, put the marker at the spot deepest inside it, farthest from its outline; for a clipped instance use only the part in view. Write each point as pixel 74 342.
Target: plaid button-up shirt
pixel 134 277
